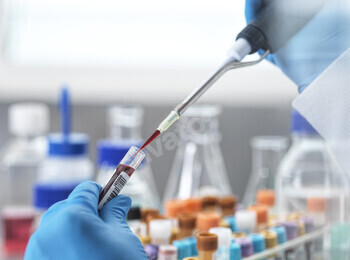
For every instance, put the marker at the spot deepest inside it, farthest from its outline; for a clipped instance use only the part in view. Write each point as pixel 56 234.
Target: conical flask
pixel 267 153
pixel 125 131
pixel 198 169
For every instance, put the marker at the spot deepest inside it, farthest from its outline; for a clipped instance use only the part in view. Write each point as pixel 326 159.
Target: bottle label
pixel 114 190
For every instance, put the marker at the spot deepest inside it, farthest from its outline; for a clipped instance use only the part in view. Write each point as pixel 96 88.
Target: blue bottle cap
pixel 281 234
pixel 75 144
pixel 47 194
pixel 258 242
pixel 235 251
pixel 184 248
pixel 231 220
pixel 193 242
pixel 300 125
pixel 111 152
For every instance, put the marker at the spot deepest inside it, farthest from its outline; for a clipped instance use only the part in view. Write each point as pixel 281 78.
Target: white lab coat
pixel 325 103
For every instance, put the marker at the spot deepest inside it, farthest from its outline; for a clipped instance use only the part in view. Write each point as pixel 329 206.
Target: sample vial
pixel 235 251
pixel 187 224
pixel 266 198
pixel 207 244
pixel 210 203
pixel 261 216
pixel 167 252
pixel 246 246
pixel 184 248
pixel 160 231
pixel 174 207
pixel 207 220
pixel 224 242
pixel 246 221
pixel 193 205
pixel 121 175
pixel 227 205
pixel 258 242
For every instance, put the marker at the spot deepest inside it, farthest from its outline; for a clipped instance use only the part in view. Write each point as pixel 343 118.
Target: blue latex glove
pixel 309 52
pixel 74 229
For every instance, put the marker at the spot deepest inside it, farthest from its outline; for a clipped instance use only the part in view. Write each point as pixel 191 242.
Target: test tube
pixel 271 241
pixel 228 205
pixel 266 197
pixel 224 242
pixel 174 207
pixel 207 244
pixel 121 175
pixel 160 231
pixel 246 246
pixel 187 224
pixel 258 242
pixel 184 248
pixel 207 220
pixel 246 221
pixel 167 252
pixel 235 251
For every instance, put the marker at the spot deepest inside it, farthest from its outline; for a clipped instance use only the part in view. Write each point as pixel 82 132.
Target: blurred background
pixel 135 52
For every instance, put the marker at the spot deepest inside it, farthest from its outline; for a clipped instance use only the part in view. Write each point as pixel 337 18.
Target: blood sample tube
pixel 121 175
pixel 207 244
pixel 167 252
pixel 207 220
pixel 228 205
pixel 187 224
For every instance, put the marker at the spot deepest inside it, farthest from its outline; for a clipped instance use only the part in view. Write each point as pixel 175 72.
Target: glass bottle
pixel 198 169
pixel 267 153
pixel 309 171
pixel 28 123
pixel 125 131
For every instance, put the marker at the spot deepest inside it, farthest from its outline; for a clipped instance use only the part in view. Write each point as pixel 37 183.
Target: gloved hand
pixel 309 52
pixel 74 229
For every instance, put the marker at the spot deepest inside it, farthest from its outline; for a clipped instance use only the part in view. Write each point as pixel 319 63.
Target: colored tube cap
pixel 207 220
pixel 193 242
pixel 308 223
pixel 184 248
pixel 228 203
pixel 258 242
pixel 187 220
pixel 239 234
pixel 270 238
pixel 209 202
pixel 231 220
pixel 235 251
pixel 246 246
pixel 167 252
pixel 316 205
pixel 174 207
pixel 261 213
pixel 266 197
pixel 246 220
pixel 281 234
pixel 193 205
pixel 207 241
pixel 151 251
pixel 291 229
pixel 224 235
pixel 134 213
pixel 148 212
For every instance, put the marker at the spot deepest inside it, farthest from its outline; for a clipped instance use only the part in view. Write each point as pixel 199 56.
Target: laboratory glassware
pixel 66 164
pixel 198 169
pixel 267 153
pixel 125 131
pixel 28 122
pixel 121 175
pixel 309 171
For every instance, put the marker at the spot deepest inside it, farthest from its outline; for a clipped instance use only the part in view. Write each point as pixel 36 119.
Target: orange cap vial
pixel 193 205
pixel 207 241
pixel 261 213
pixel 174 207
pixel 266 197
pixel 316 204
pixel 207 220
pixel 228 205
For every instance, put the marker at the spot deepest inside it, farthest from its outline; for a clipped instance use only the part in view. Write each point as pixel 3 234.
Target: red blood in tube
pixel 149 140
pixel 121 168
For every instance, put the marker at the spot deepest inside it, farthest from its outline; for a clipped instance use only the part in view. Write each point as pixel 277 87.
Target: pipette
pixel 275 25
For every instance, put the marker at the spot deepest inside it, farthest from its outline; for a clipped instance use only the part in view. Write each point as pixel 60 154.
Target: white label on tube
pixel 113 192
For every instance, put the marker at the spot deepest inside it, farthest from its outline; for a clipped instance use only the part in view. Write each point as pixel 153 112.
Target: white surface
pixel 28 119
